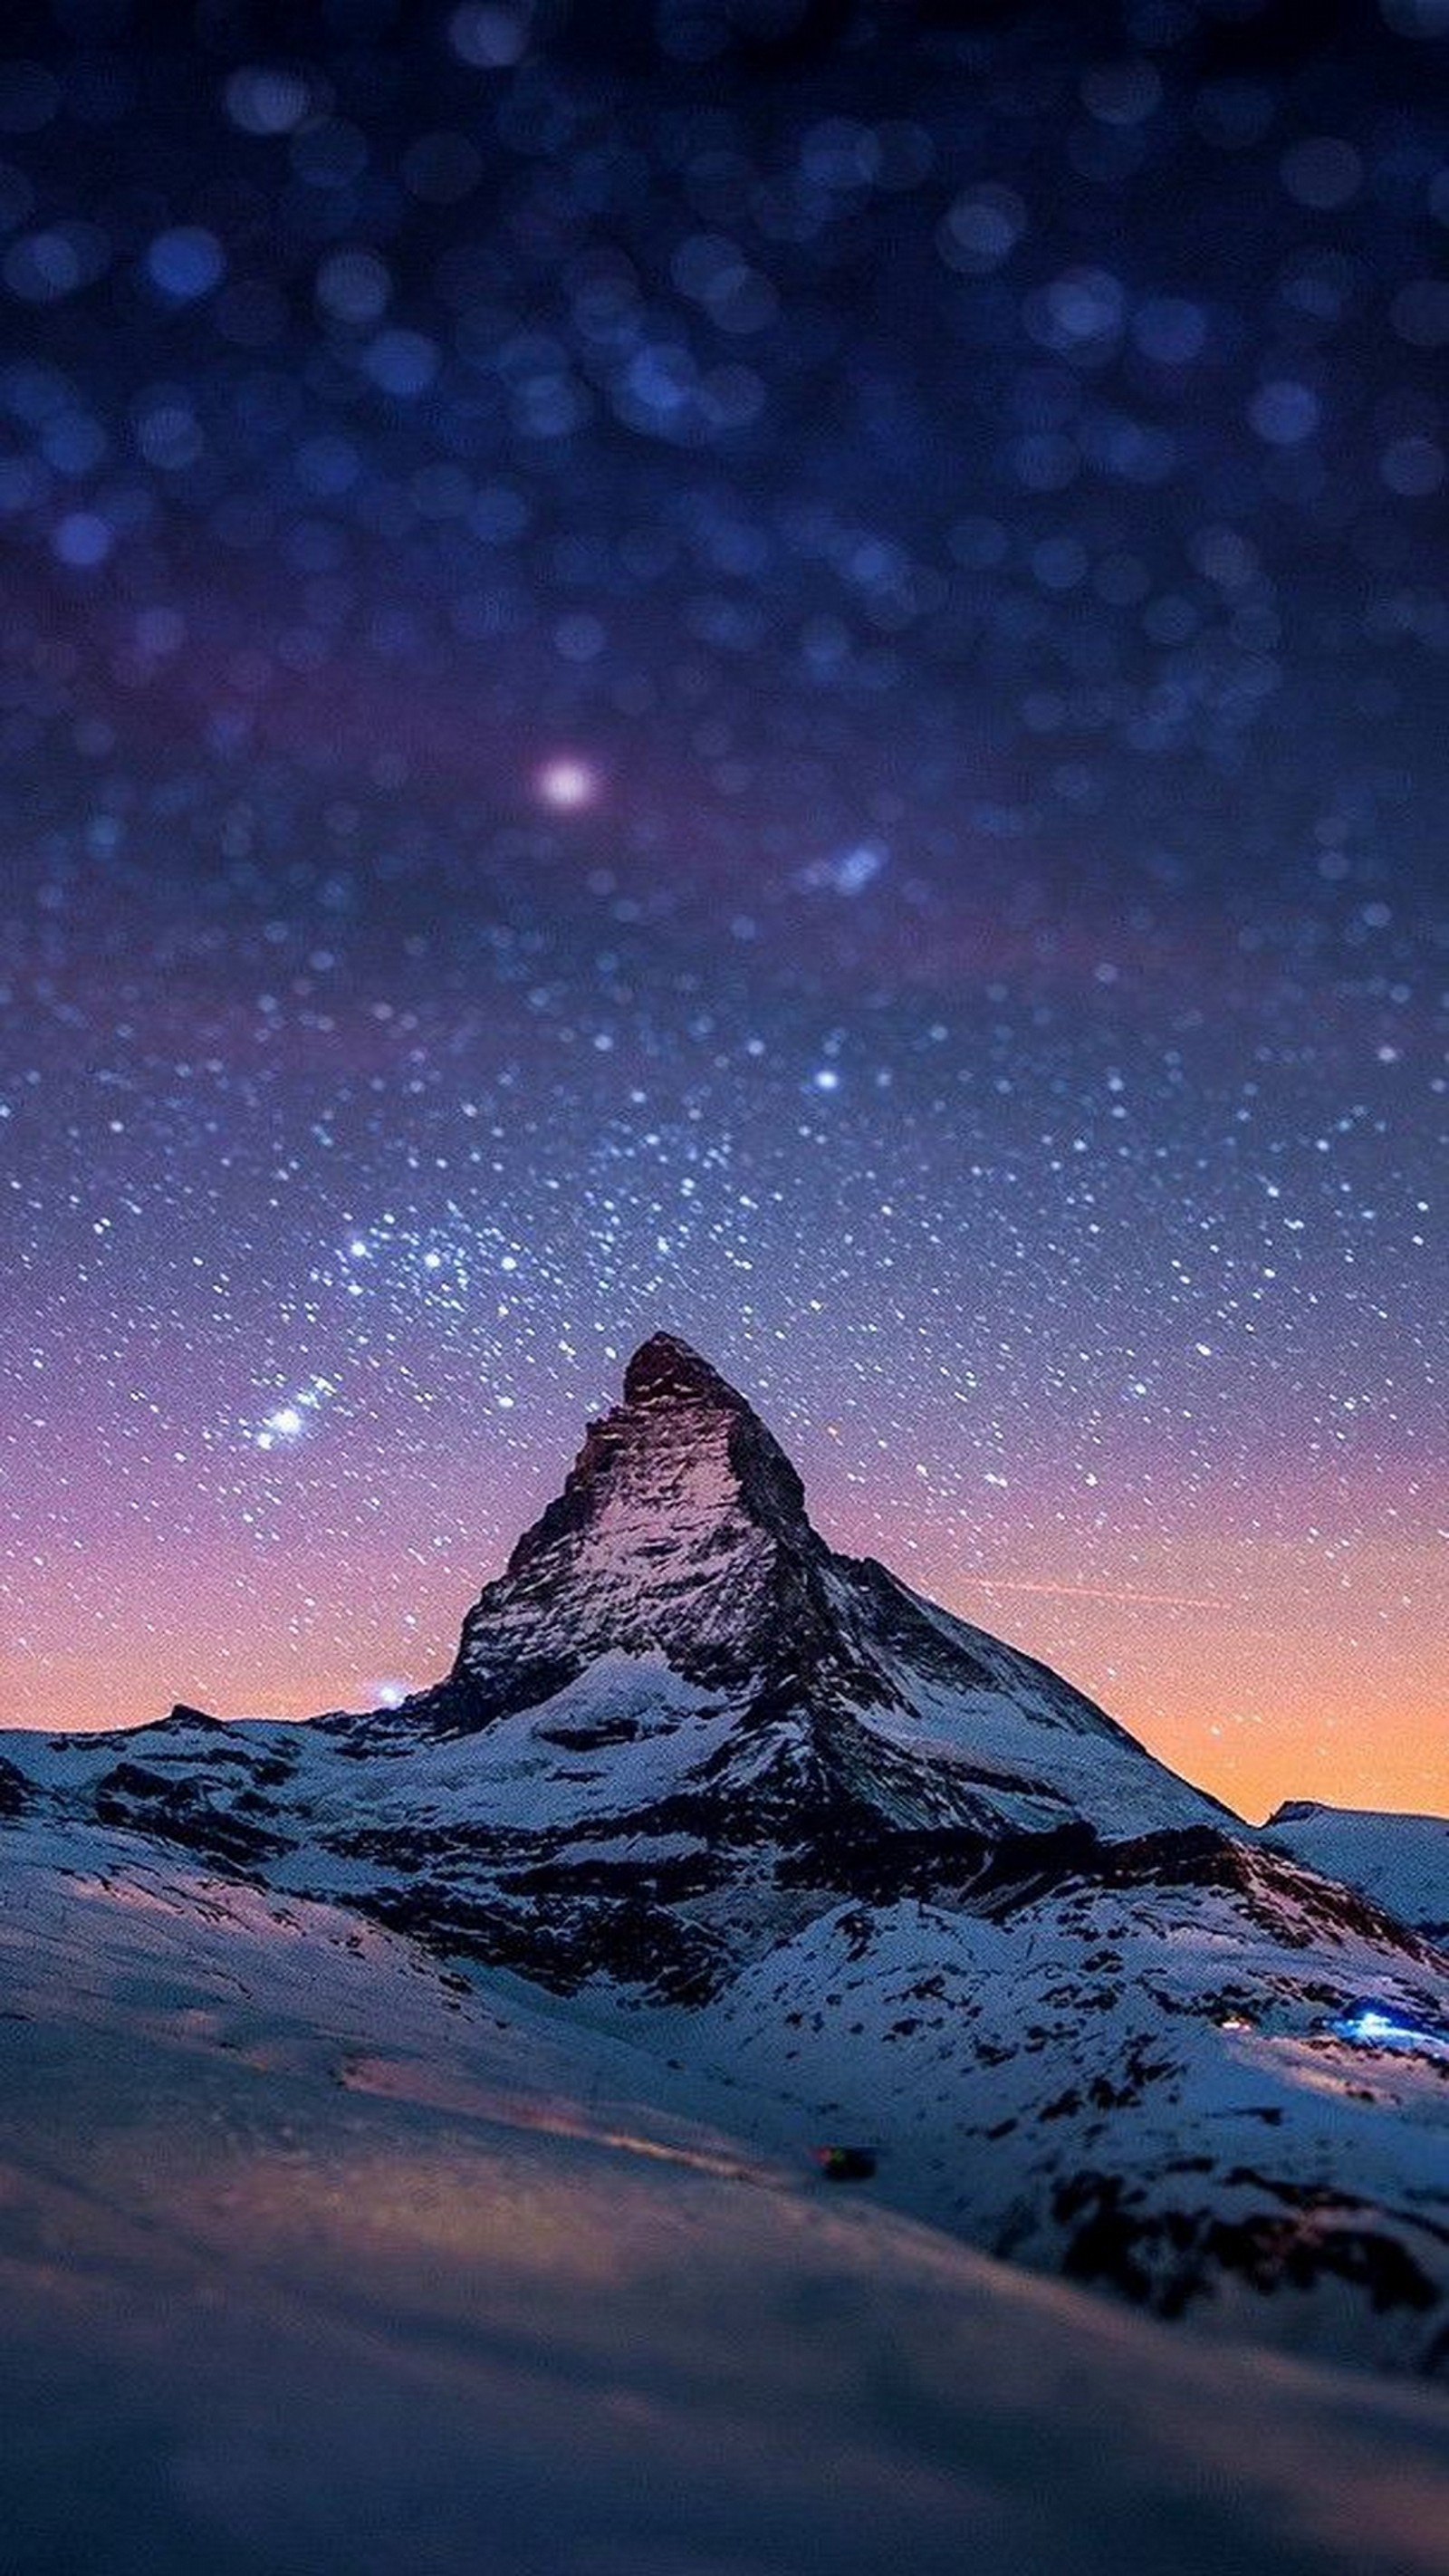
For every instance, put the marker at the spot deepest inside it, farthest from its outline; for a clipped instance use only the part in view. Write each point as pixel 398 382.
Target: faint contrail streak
pixel 1092 1592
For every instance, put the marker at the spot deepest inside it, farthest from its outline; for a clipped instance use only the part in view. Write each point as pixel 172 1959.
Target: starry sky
pixel 767 667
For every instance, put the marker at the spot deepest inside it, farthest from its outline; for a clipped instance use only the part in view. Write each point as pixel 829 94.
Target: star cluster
pixel 767 668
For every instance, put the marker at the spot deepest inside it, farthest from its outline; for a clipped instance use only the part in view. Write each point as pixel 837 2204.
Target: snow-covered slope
pixel 756 1807
pixel 1401 1861
pixel 317 2262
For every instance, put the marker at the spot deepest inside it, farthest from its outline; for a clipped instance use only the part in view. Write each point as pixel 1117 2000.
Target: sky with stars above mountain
pixel 768 667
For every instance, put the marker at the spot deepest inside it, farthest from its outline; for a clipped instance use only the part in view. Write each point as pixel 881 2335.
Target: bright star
pixel 567 783
pixel 288 1421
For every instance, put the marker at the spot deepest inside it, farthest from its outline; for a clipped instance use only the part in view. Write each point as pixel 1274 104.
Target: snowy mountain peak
pixel 673 1637
pixel 680 1532
pixel 682 1460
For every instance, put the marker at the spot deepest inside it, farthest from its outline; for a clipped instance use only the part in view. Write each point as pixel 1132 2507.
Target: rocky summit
pixel 677 1590
pixel 771 1814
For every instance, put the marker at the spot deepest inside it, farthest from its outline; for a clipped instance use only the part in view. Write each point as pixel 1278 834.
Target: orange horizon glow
pixel 1245 1675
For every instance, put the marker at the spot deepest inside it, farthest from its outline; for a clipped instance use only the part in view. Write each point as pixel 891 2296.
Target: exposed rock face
pixel 681 1530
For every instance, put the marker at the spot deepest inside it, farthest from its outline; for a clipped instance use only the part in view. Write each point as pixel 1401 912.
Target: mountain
pixel 779 1688
pixel 774 1818
pixel 1403 1861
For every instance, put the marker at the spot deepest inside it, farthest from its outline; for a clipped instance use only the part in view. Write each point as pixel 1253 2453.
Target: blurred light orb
pixel 566 783
pixel 265 98
pixel 186 262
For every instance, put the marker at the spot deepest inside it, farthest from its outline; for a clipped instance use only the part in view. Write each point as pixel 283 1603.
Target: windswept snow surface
pixel 318 2261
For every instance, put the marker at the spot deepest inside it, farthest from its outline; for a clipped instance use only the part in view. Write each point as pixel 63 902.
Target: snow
pixel 1050 1750
pixel 315 2261
pixel 1402 1861
pixel 1000 2045
pixel 995 2062
pixel 520 1773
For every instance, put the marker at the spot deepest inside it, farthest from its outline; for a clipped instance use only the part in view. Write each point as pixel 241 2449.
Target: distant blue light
pixel 1371 2026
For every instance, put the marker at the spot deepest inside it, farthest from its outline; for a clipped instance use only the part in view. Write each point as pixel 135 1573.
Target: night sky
pixel 764 668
